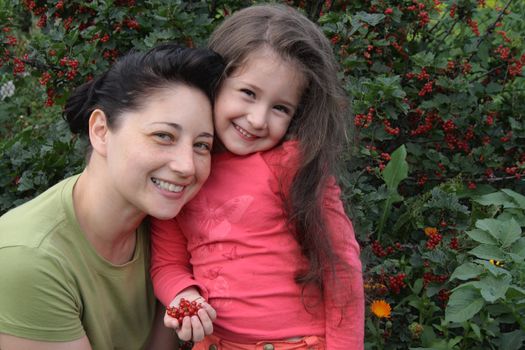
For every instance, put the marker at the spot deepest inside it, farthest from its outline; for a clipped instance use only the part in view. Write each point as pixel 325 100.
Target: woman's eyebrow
pixel 206 134
pixel 178 127
pixel 171 124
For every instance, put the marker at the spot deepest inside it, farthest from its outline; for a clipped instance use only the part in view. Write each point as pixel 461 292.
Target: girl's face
pixel 255 105
pixel 159 156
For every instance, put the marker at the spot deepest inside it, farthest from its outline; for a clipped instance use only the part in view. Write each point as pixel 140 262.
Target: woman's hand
pixel 195 327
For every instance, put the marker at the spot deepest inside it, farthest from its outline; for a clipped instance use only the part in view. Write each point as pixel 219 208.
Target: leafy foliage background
pixel 433 172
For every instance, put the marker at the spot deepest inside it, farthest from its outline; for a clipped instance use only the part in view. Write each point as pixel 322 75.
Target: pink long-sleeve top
pixel 232 241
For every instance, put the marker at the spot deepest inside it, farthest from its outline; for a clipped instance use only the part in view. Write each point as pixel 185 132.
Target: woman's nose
pixel 182 161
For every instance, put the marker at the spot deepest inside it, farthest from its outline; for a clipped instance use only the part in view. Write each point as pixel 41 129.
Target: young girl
pixel 266 242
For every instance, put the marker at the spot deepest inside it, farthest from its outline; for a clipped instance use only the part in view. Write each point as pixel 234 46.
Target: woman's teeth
pixel 167 186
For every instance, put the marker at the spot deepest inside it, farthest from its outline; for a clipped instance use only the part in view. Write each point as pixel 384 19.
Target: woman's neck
pixel 108 226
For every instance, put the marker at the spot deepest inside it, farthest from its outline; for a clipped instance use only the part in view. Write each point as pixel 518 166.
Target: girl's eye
pixel 283 109
pixel 248 92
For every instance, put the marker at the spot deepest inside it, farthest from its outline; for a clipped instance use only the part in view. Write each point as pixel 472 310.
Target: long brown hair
pixel 318 125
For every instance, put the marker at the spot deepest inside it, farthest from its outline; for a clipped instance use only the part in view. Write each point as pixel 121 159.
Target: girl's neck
pixel 110 228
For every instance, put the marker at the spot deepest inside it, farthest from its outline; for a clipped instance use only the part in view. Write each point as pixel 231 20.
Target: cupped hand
pixel 194 327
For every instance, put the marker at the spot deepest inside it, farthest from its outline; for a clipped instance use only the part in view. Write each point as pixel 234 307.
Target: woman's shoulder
pixel 30 223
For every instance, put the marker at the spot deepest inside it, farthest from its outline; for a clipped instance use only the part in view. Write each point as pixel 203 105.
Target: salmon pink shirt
pixel 232 241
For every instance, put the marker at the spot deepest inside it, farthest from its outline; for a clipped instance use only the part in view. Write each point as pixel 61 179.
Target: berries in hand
pixel 185 308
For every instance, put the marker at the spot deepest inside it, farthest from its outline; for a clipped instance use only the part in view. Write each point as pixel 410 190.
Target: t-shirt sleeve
pixel 344 296
pixel 36 297
pixel 171 271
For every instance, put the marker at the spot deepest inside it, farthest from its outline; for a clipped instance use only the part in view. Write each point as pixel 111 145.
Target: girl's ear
pixel 98 131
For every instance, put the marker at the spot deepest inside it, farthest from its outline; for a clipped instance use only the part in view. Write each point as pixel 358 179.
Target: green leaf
pixel 518 248
pixel 518 198
pixel 493 88
pixel 370 326
pixel 467 271
pixel 487 252
pixel 417 287
pixel 512 340
pixel 492 226
pixel 397 169
pixel 497 198
pixel 515 292
pixel 507 232
pixel 422 59
pixel 475 328
pixel 372 19
pixel 516 213
pixel 494 288
pixel 463 304
pixel 380 68
pixel 482 237
pixel 436 256
pixel 511 232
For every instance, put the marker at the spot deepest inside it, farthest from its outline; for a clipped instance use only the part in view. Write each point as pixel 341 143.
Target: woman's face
pixel 159 156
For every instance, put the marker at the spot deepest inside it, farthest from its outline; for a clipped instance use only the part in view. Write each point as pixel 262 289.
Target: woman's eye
pixel 165 137
pixel 248 92
pixel 203 146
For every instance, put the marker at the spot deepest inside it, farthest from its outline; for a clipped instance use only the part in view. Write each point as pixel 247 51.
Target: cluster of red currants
pixel 185 308
pixel 397 282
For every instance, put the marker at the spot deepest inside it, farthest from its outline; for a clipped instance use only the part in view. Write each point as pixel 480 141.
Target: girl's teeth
pixel 242 131
pixel 167 186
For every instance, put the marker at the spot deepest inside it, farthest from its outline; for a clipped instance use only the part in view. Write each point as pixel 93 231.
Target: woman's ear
pixel 98 131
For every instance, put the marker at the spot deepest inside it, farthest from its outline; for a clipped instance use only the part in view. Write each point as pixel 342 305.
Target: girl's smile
pixel 256 103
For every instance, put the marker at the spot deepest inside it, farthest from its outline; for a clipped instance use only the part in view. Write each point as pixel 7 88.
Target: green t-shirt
pixel 55 287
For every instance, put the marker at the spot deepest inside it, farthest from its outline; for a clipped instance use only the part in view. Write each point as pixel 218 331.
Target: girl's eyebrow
pixel 179 128
pixel 255 87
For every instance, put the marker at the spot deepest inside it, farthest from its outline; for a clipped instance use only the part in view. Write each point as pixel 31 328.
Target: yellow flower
pixel 381 308
pixel 430 231
pixel 496 263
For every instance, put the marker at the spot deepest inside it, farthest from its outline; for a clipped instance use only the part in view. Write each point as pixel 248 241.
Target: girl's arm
pixel 344 296
pixel 172 277
pixel 171 271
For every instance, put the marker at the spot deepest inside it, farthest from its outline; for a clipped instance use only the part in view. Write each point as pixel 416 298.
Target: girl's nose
pixel 257 117
pixel 182 161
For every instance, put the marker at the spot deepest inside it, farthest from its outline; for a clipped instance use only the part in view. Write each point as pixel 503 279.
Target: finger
pixel 198 330
pixel 185 332
pixel 207 323
pixel 209 310
pixel 171 322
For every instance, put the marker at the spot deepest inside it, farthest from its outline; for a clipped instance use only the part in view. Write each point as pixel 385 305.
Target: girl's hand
pixel 195 327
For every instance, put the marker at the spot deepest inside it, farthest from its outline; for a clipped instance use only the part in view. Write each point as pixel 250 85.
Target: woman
pixel 74 261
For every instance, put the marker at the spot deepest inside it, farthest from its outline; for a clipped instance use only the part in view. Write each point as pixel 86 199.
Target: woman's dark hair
pixel 138 75
pixel 319 125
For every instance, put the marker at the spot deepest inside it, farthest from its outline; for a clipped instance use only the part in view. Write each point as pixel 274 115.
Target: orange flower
pixel 381 308
pixel 430 231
